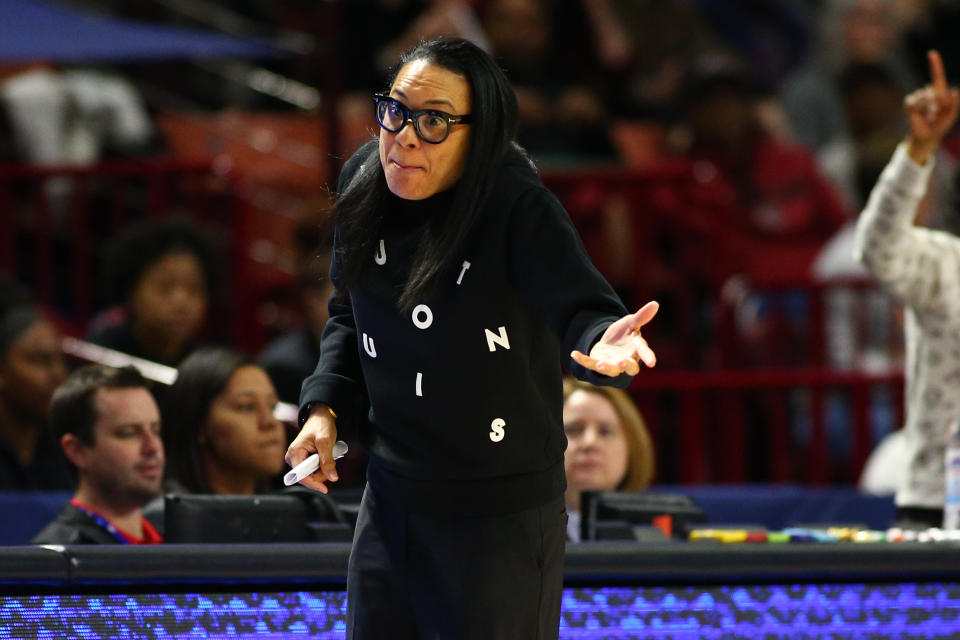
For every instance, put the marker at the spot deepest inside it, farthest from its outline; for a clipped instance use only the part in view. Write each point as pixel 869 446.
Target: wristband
pixel 308 409
pixel 333 414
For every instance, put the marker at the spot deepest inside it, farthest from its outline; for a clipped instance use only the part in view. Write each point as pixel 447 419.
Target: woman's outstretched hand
pixel 621 348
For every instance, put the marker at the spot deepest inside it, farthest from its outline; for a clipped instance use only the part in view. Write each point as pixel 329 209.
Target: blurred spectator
pixel 772 36
pixel 862 327
pixel 849 32
pixel 871 99
pixel 751 211
pixel 221 427
pixel 766 207
pixel 608 445
pixel 31 368
pixel 921 268
pixel 563 117
pixel 293 356
pixel 109 428
pixel 75 116
pixel 872 105
pixel 873 102
pixel 163 274
pixel 639 44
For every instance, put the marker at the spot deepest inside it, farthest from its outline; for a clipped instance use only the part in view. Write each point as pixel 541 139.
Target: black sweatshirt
pixel 465 394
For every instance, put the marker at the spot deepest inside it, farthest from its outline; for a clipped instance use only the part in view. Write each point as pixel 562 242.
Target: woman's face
pixel 416 169
pixel 596 457
pixel 31 370
pixel 241 435
pixel 170 301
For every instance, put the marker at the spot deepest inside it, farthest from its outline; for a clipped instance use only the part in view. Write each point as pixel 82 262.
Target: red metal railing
pixel 716 415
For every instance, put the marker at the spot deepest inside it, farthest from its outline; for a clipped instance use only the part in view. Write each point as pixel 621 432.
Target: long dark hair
pixel 185 407
pixel 360 208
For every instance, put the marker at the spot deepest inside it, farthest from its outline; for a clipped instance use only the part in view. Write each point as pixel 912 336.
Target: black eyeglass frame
pixel 409 115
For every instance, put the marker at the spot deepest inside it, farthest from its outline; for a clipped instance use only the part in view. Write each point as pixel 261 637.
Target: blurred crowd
pixel 752 132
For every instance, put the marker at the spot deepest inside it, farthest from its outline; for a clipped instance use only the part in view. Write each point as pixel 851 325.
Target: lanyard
pixel 103 522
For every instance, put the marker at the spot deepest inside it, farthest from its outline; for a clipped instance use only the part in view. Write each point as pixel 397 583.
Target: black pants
pixel 424 577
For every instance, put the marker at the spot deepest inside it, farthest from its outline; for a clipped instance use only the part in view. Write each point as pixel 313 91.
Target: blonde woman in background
pixel 608 445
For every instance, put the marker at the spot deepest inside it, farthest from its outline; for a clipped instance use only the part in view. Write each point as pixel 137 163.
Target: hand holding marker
pixel 312 463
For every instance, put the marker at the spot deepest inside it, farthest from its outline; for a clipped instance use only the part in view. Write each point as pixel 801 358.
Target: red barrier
pixel 742 425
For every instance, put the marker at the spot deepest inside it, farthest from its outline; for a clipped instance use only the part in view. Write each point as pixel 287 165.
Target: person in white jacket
pixel 921 268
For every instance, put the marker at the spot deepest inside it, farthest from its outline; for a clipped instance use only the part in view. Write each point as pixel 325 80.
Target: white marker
pixel 312 463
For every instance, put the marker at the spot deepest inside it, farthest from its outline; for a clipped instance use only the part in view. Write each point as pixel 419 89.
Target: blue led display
pixel 769 612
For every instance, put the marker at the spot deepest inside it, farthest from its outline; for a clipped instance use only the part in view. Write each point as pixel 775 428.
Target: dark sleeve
pixel 338 379
pixel 550 267
pixel 57 533
pixel 73 527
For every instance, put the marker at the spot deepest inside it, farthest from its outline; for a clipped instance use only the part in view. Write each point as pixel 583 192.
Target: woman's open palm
pixel 621 348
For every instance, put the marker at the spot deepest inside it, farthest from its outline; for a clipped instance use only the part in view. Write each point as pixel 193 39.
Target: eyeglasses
pixel 431 125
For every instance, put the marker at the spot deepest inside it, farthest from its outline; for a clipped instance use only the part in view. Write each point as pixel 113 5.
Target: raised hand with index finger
pixel 931 111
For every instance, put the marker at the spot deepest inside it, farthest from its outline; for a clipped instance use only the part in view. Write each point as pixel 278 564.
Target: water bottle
pixel 951 475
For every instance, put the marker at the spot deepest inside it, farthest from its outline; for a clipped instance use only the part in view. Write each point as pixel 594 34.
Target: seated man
pixel 109 428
